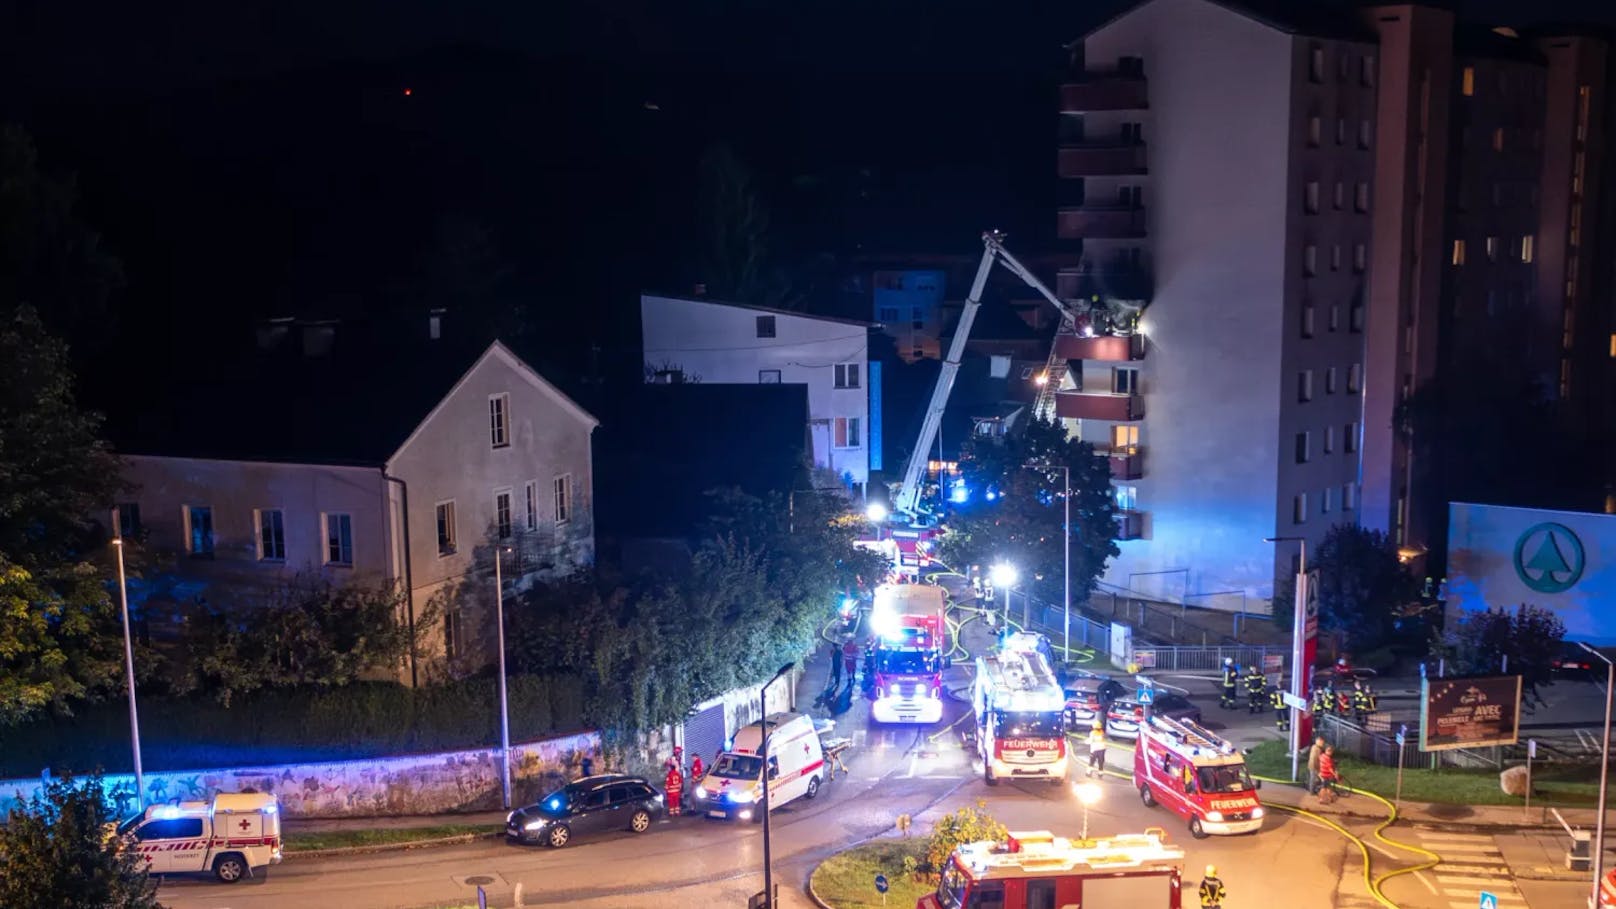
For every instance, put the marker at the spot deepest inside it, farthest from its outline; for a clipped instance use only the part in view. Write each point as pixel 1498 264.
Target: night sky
pixel 255 159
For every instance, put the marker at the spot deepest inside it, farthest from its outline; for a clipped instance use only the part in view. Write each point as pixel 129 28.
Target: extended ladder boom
pixel 907 501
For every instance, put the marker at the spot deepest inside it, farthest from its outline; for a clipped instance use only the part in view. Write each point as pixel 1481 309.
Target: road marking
pixel 1457 837
pixel 1448 868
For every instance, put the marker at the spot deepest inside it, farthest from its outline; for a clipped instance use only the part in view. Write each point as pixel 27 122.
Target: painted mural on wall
pixel 413 784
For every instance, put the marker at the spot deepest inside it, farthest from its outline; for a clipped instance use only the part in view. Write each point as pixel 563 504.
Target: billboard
pixel 1469 712
pixel 1502 557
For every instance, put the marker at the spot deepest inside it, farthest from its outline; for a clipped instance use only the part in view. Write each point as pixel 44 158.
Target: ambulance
pixel 911 642
pixel 1202 778
pixel 1036 870
pixel 236 835
pixel 1020 715
pixel 732 787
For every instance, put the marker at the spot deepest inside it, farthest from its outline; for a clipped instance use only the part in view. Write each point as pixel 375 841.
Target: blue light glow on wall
pixel 875 414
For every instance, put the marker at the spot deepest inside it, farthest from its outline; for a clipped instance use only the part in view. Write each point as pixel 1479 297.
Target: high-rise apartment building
pixel 1302 201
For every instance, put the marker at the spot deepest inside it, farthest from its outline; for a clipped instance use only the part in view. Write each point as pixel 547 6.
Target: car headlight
pixel 1214 815
pixel 701 792
pixel 747 796
pixel 1256 813
pixel 510 817
pixel 535 825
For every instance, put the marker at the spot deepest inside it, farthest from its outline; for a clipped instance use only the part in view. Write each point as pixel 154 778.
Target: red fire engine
pixel 1041 869
pixel 911 643
pixel 1196 775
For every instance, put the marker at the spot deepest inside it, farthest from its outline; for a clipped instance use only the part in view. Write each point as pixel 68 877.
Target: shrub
pixel 966 825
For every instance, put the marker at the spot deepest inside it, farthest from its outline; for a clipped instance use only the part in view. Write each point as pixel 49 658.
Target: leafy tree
pixel 58 854
pixel 732 234
pixel 59 630
pixel 1362 585
pixel 965 825
pixel 1528 639
pixel 1022 522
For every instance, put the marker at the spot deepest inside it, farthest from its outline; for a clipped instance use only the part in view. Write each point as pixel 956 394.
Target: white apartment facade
pixel 503 459
pixel 714 342
pixel 1230 158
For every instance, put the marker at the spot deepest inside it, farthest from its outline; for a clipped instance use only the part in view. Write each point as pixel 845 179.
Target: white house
pixel 731 343
pixel 404 470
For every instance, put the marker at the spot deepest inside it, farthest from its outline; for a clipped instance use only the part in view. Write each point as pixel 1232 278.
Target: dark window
pixel 129 519
pixel 847 375
pixel 620 794
pixel 768 377
pixel 271 535
pixel 765 326
pixel 987 895
pixel 597 799
pixel 200 521
pixel 1041 894
pixel 172 829
pixel 339 539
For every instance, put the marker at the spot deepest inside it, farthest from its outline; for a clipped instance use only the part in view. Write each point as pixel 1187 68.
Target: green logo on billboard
pixel 1549 558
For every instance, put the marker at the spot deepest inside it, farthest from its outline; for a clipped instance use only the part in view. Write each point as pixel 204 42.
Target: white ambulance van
pixel 732 786
pixel 234 836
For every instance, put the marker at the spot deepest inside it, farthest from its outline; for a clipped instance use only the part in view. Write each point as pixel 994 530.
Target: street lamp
pixel 1004 575
pixel 129 662
pixel 763 748
pixel 876 512
pixel 1066 540
pixel 504 702
pixel 1301 660
pixel 1604 769
pixel 1088 793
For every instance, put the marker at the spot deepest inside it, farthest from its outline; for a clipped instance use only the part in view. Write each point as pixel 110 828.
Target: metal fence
pixel 1376 742
pixel 1208 659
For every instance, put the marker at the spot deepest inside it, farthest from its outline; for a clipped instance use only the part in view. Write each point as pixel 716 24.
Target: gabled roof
pixel 356 405
pixel 1313 18
pixel 798 313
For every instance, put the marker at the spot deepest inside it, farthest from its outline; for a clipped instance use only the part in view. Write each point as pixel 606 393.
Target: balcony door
pixel 1124 438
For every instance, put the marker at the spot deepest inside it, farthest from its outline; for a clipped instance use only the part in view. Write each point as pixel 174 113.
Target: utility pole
pixel 128 661
pixel 504 702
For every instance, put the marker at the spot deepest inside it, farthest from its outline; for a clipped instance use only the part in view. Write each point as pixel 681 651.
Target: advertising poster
pixel 1469 712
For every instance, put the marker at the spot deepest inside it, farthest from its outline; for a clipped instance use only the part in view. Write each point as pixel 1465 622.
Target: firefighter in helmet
pixel 1213 893
pixel 1231 677
pixel 1363 703
pixel 1255 683
pixel 1323 698
pixel 1282 713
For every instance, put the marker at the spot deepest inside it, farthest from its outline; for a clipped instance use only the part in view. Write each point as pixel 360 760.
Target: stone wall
pixel 413 784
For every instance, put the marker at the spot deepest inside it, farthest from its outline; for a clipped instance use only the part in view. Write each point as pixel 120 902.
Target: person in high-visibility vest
pixel 1343 703
pixel 1282 713
pixel 673 784
pixel 1255 683
pixel 1097 749
pixel 1361 705
pixel 1213 893
pixel 1231 678
pixel 1323 699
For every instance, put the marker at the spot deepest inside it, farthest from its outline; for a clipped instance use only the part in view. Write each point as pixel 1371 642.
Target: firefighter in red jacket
pixel 673 784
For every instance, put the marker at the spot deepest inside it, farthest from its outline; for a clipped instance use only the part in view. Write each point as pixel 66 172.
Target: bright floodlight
pixel 1004 575
pixel 876 512
pixel 1088 792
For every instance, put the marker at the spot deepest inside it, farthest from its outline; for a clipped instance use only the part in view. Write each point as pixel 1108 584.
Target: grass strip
pixel 847 880
pixel 310 841
pixel 1574 786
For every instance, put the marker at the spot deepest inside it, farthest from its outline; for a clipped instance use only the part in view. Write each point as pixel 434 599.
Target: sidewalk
pixel 406 822
pixel 1360 805
pixel 1541 856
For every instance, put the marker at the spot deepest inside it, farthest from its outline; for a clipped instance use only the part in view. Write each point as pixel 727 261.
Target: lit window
pixel 1467 85
pixel 1613 345
pixel 446 528
pixel 847 432
pixel 1527 244
pixel 271 535
pixel 499 410
pixel 1458 252
pixel 561 490
pixel 199 530
pixel 847 375
pixel 532 514
pixel 502 514
pixel 1498 139
pixel 338 539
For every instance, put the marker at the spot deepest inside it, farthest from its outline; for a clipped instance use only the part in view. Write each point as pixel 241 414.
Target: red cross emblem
pixel 244 824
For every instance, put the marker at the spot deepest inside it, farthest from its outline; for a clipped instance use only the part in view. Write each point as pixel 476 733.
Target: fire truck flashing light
pixel 1041 854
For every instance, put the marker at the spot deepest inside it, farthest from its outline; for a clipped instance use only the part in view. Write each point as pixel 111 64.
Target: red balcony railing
pixel 1101 222
pixel 1127 463
pixel 1130 525
pixel 1075 347
pixel 1077 405
pixel 1101 160
pixel 1104 93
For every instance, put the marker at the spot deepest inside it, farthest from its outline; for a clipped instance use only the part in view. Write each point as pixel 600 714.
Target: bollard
pixel 1580 858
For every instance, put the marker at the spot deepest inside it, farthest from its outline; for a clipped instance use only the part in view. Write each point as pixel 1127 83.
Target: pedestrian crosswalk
pixel 1471 865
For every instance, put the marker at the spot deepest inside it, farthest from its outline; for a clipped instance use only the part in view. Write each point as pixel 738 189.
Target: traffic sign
pixel 1531 748
pixel 1402 734
pixel 1488 901
pixel 1145 695
pixel 1292 700
pixel 881 884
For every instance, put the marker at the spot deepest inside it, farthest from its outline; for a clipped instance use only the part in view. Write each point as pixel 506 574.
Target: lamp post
pixel 1004 575
pixel 504 702
pixel 876 512
pixel 1088 792
pixel 1066 548
pixel 1301 655
pixel 1604 769
pixel 763 748
pixel 129 662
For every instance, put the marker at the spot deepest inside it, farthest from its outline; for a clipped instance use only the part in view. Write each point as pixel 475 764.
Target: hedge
pixel 364 719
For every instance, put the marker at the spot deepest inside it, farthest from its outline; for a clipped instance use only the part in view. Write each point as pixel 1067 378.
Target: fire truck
pixel 236 835
pixel 911 646
pixel 1020 716
pixel 1039 869
pixel 1197 775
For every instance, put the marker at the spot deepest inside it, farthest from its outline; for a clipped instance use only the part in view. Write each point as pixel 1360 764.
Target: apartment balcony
pixel 1130 524
pixel 1126 463
pixel 1104 92
pixel 1079 405
pixel 1101 159
pixel 1101 347
pixel 1101 222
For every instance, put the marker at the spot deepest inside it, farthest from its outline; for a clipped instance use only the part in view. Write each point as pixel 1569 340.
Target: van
pixel 236 835
pixel 731 788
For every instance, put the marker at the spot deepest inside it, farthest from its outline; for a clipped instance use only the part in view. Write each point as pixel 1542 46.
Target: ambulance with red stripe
pixel 732 787
pixel 236 835
pixel 1040 870
pixel 1197 775
pixel 911 645
pixel 1020 715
